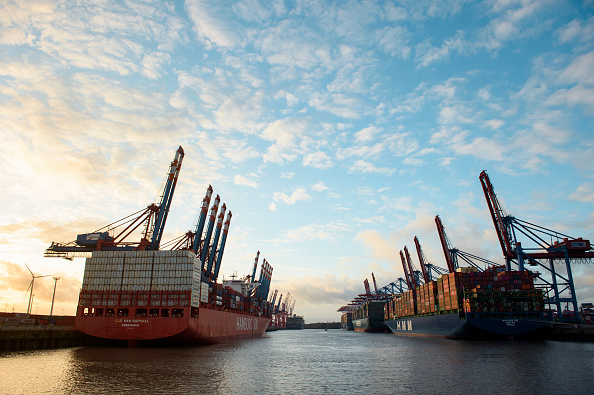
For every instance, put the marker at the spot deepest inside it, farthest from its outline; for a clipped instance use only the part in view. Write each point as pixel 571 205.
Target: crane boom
pixel 426 275
pixel 166 199
pixel 153 216
pixel 202 220
pixel 255 267
pixel 367 289
pixel 209 229
pixel 215 241
pixel 221 248
pixel 499 218
pixel 406 274
pixel 445 245
pixel 374 282
pixel 410 268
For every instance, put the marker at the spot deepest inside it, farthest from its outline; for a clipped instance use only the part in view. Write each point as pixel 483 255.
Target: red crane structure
pixel 452 254
pixel 427 267
pixel 556 249
pixel 407 275
pixel 415 274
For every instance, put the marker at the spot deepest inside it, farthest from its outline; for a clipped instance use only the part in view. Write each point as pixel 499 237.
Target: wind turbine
pixel 33 277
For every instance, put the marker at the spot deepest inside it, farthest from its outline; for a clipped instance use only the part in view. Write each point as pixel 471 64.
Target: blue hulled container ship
pixel 468 304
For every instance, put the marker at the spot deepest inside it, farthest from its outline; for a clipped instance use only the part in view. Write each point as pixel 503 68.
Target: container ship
pixel 365 313
pixel 295 322
pixel 468 304
pixel 346 321
pixel 140 293
pixel 369 317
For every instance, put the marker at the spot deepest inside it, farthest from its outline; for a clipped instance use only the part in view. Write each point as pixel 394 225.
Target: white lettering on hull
pixel 130 323
pixel 404 325
pixel 247 324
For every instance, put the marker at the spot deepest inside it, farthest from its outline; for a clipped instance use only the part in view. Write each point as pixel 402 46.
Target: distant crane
pixel 153 218
pixel 407 276
pixel 549 247
pixel 416 275
pixel 31 284
pixel 367 289
pixel 427 267
pixel 374 282
pixel 452 254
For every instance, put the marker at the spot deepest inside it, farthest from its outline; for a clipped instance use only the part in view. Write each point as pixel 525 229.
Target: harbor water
pixel 308 362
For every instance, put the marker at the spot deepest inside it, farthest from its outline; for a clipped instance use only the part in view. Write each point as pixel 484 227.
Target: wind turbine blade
pixel 29 269
pixel 47 275
pixel 29 287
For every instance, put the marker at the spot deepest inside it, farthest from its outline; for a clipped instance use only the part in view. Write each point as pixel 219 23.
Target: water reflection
pixel 308 362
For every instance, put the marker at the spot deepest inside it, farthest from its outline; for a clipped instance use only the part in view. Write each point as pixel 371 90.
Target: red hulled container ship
pixel 145 292
pixel 145 296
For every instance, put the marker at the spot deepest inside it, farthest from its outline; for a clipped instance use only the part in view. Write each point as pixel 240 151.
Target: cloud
pixel 16 279
pixel 338 104
pixel 299 194
pixel 152 64
pixel 242 180
pixel 577 30
pixel 211 26
pixel 394 41
pixel 312 232
pixel 290 98
pixel 494 124
pixel 367 134
pixel 426 54
pixel 381 248
pixel 584 193
pixel 361 166
pixel 285 135
pixel 318 297
pixel 319 160
pixel 319 187
pixel 371 220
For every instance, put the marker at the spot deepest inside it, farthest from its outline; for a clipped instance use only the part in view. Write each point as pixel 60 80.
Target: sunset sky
pixel 334 131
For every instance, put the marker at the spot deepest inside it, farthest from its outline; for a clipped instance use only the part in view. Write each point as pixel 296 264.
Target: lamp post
pixel 54 295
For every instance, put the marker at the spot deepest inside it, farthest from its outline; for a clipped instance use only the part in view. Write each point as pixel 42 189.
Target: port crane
pixel 410 279
pixel 189 241
pixel 211 254
pixel 548 248
pixel 418 279
pixel 428 268
pixel 452 254
pixel 153 217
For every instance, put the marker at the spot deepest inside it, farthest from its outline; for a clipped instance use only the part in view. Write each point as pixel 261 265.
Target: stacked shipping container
pixel 140 278
pixel 468 290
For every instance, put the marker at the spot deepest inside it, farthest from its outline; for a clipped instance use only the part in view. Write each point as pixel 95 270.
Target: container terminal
pixel 530 296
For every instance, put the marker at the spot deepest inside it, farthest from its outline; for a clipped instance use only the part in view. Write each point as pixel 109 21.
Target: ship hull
pixel 210 326
pixel 367 325
pixel 451 326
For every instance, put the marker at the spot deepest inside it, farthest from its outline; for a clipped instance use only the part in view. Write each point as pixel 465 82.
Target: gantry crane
pixel 417 276
pixel 211 254
pixel 105 238
pixel 557 248
pixel 410 283
pixel 452 254
pixel 427 268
